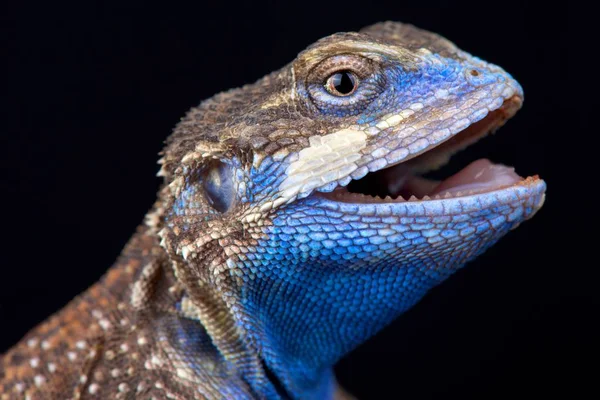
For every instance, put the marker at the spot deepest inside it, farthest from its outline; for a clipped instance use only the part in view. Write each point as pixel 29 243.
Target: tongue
pixel 479 176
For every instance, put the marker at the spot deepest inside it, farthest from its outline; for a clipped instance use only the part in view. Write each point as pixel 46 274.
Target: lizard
pixel 293 223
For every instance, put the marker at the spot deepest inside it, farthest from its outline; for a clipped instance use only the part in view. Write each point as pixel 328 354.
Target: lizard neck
pixel 266 336
pixel 297 364
pixel 300 330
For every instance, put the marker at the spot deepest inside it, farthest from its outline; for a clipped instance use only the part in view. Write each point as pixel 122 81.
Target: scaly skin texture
pixel 248 278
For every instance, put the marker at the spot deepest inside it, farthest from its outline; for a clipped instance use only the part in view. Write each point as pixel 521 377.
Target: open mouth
pixel 405 181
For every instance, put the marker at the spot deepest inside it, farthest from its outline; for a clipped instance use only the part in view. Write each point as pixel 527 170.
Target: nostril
pixel 478 77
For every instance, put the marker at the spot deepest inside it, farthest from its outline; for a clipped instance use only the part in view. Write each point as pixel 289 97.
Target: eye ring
pixel 342 83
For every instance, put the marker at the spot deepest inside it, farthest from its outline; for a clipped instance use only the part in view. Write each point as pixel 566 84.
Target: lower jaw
pixel 397 185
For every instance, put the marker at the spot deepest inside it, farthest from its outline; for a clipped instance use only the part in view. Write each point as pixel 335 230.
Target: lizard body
pixel 292 225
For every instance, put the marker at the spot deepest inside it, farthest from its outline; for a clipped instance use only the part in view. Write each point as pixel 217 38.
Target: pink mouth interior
pixel 479 176
pixel 399 184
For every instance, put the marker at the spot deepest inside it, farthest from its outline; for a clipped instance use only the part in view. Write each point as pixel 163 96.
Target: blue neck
pixel 302 329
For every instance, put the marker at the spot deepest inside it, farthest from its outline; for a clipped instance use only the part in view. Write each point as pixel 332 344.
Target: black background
pixel 91 92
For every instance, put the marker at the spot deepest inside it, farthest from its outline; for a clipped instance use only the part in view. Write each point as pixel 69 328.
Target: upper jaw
pixel 501 182
pixel 421 129
pixel 434 150
pixel 334 159
pixel 402 181
pixel 426 128
pixel 433 135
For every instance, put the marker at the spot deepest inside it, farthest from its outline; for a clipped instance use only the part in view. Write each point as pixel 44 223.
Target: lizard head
pixel 298 201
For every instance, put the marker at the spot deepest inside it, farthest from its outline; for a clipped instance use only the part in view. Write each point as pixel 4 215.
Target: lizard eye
pixel 218 186
pixel 342 83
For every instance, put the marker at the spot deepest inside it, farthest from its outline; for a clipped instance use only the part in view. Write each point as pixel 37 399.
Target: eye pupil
pixel 342 83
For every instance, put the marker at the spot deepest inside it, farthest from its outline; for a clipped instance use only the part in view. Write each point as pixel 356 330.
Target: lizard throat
pixel 405 181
